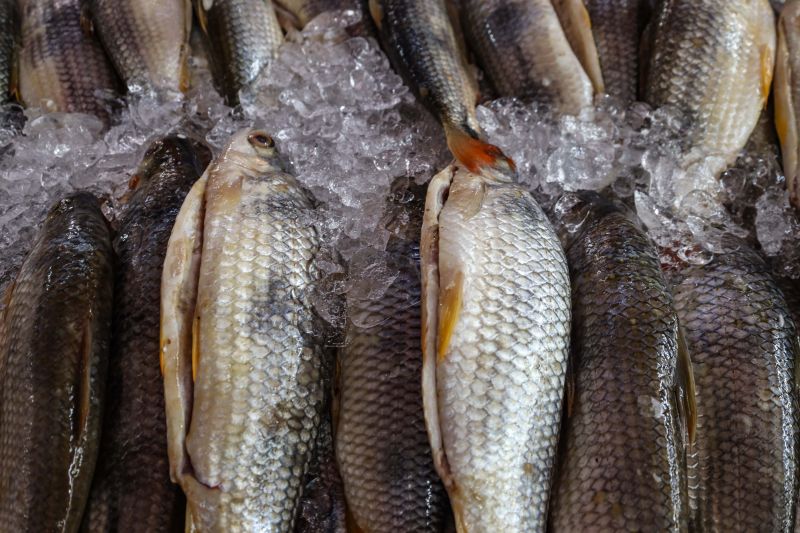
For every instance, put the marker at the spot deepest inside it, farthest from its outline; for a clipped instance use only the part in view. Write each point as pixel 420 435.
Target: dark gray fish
pixel 132 490
pixel 624 440
pixel 54 344
pixel 742 468
pixel 381 441
pixel 9 21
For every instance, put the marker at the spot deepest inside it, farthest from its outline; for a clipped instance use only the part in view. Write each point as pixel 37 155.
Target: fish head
pixel 254 149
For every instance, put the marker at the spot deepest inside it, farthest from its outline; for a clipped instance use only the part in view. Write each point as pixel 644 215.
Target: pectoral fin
pixel 685 389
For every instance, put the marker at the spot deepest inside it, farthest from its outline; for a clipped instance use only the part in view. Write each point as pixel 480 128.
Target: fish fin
pixel 13 86
pixel 577 27
pixel 185 79
pixel 351 522
pixel 288 20
pixel 87 26
pixel 475 153
pixel 189 523
pixel 179 282
pixel 84 382
pixel 202 16
pixel 570 385
pixel 685 389
pixel 767 67
pixel 450 302
pixel 785 112
pixel 336 393
pixel 376 12
pixel 195 346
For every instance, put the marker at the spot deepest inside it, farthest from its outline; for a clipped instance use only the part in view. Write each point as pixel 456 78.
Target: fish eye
pixel 261 140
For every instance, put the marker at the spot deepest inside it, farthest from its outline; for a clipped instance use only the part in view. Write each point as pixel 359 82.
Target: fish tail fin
pixel 475 153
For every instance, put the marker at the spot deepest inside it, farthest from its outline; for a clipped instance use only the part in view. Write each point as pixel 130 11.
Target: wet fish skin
pixel 787 95
pixel 53 359
pixel 494 348
pixel 382 444
pixel 61 67
pixel 147 41
pixel 418 36
pixel 623 462
pixel 132 490
pixel 242 37
pixel 524 51
pixel 9 21
pixel 577 26
pixel 305 10
pixel 742 470
pixel 722 86
pixel 242 348
pixel 617 28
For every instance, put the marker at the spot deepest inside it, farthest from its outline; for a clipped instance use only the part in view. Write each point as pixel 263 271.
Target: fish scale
pixel 743 343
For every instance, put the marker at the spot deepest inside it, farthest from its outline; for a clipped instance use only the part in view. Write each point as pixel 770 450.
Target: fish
pixel 301 12
pixel 419 38
pixel 132 490
pixel 246 370
pixel 242 38
pixel 617 27
pixel 525 53
pixel 720 88
pixel 577 26
pixel 742 468
pixel 54 349
pixel 381 441
pixel 147 41
pixel 9 20
pixel 61 66
pixel 632 408
pixel 787 96
pixel 495 335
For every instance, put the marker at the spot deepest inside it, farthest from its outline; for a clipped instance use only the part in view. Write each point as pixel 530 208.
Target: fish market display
pixel 578 29
pixel 61 67
pixel 624 441
pixel 617 29
pixel 8 37
pixel 132 490
pixel 525 53
pixel 242 37
pixel 787 95
pixel 495 330
pixel 418 35
pixel 245 372
pixel 53 358
pixel 712 61
pixel 742 468
pixel 382 446
pixel 147 40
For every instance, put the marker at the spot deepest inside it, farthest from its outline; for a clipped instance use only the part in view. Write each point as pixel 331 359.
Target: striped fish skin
pixel 624 441
pixel 54 348
pixel 246 372
pixel 712 61
pixel 495 342
pixel 382 445
pixel 132 490
pixel 62 67
pixel 742 468
pixel 147 41
pixel 242 37
pixel 525 53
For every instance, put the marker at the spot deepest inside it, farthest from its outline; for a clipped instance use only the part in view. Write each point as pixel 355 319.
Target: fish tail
pixel 475 153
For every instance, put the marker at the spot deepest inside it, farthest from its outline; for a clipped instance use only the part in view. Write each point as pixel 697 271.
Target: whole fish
pixel 742 468
pixel 578 29
pixel 303 11
pixel 624 440
pixel 787 95
pixel 54 344
pixel 245 372
pixel 242 37
pixel 525 53
pixel 132 490
pixel 61 67
pixel 390 480
pixel 617 28
pixel 495 330
pixel 9 20
pixel 720 87
pixel 419 37
pixel 147 40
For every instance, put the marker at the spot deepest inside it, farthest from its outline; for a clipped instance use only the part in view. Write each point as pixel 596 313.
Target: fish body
pixel 242 37
pixel 61 66
pixel 382 444
pixel 496 315
pixel 578 28
pixel 54 344
pixel 742 468
pixel 245 370
pixel 712 61
pixel 525 52
pixel 624 441
pixel 787 95
pixel 418 36
pixel 147 40
pixel 617 28
pixel 132 490
pixel 9 20
pixel 303 11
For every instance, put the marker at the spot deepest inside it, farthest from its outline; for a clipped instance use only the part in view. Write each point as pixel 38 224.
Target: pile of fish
pixel 532 365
